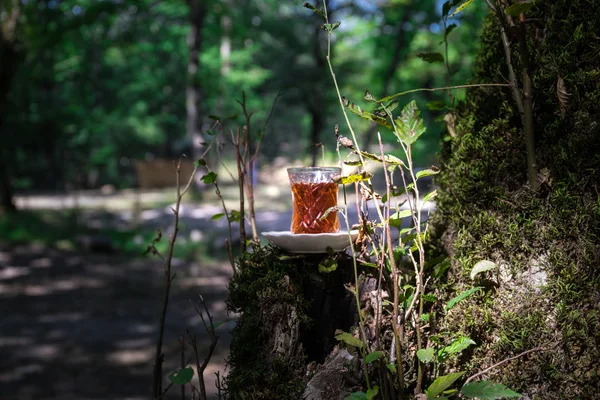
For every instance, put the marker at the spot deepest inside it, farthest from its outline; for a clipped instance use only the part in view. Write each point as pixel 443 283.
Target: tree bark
pixel 315 97
pixel 8 64
pixel 194 91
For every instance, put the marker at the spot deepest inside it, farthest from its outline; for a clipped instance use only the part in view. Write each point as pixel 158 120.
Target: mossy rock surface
pixel 546 243
pixel 289 312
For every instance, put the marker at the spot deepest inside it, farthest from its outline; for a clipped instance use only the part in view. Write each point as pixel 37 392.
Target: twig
pixel 182 350
pixel 388 235
pixel 473 85
pixel 249 178
pixel 210 329
pixel 159 357
pixel 241 167
pixel 539 348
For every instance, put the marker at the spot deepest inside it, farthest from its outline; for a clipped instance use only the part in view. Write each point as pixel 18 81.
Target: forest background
pixel 90 87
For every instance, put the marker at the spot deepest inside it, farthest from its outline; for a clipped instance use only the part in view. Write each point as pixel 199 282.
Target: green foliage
pixel 456 347
pixel 460 297
pixel 482 266
pixel 350 340
pixel 373 356
pixel 485 390
pixel 426 355
pixel 544 244
pixel 409 125
pixel 182 376
pixel 442 383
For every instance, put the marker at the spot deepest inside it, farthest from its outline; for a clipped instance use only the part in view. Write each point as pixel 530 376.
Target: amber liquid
pixel 311 201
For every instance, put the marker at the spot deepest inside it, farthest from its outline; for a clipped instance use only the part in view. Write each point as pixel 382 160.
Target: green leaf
pixel 374 355
pixel 430 297
pixel 425 317
pixel 482 266
pixel 396 218
pixel 462 7
pixel 397 192
pixel 344 180
pixel 182 376
pixel 328 211
pixel 426 355
pixel 455 300
pixel 457 346
pixel 200 162
pixel 388 158
pixel 211 177
pixel 428 172
pixel 331 27
pixel 215 117
pixel 354 109
pixel 210 132
pixel 384 109
pixel 371 393
pixel 217 217
pixel 436 105
pixel 485 390
pixel 369 97
pixel 449 29
pixel 356 163
pixel 409 125
pixel 235 216
pixel 349 339
pixel 327 266
pixel 431 57
pixel 357 396
pixel 440 384
pixel 430 196
pixel 314 9
pixel 518 8
pixel 392 368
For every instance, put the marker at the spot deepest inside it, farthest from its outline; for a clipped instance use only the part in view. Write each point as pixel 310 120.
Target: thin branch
pixel 159 357
pixel 241 167
pixel 249 178
pixel 210 329
pixel 386 227
pixel 539 348
pixel 474 85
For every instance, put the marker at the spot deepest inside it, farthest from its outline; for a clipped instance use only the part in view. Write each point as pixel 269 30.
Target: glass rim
pixel 311 169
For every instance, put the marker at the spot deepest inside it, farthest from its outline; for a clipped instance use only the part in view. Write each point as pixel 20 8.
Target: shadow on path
pixel 84 326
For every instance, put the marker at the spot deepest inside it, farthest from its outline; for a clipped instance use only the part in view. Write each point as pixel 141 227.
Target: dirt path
pixel 83 326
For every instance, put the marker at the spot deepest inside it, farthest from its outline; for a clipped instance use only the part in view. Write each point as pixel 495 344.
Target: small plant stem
pixel 474 85
pixel 527 104
pixel 241 179
pixel 158 357
pixel 182 350
pixel 400 367
pixel 539 348
pixel 397 331
pixel 356 294
pixel 210 329
pixel 229 230
pixel 249 178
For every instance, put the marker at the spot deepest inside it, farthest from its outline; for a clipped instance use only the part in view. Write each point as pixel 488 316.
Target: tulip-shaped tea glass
pixel 313 193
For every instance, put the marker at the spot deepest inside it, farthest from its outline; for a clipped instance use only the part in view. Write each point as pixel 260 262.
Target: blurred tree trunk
pixel 8 64
pixel 198 11
pixel 390 71
pixel 315 98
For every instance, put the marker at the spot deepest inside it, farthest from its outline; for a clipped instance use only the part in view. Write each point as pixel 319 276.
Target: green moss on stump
pixel 547 243
pixel 288 316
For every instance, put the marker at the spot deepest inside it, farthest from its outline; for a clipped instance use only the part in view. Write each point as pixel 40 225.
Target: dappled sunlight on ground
pixel 84 326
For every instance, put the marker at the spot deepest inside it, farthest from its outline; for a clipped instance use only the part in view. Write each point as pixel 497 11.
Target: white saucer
pixel 309 242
